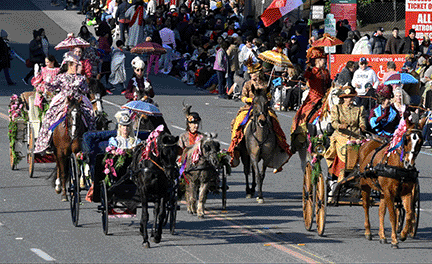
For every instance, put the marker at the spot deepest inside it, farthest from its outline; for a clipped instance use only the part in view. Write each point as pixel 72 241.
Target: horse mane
pixel 326 109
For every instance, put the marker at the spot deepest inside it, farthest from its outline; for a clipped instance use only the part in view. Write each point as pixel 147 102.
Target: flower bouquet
pixel 18 119
pixel 114 160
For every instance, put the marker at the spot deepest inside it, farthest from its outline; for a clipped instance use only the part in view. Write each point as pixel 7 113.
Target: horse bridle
pixel 404 141
pixel 260 143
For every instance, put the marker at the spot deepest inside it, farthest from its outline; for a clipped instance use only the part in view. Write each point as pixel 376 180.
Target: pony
pixel 66 140
pixel 394 175
pixel 97 91
pixel 259 143
pixel 323 124
pixel 155 176
pixel 202 173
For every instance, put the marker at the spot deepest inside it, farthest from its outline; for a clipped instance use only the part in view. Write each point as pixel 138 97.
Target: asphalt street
pixel 35 226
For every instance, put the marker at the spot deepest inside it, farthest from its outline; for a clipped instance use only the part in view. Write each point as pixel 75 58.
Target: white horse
pixel 322 123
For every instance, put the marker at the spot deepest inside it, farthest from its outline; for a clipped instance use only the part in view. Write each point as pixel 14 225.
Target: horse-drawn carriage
pixel 373 171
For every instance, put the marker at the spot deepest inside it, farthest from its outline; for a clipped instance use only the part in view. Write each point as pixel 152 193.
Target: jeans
pixel 7 75
pixel 221 82
pixel 165 61
pixel 230 79
pixel 123 27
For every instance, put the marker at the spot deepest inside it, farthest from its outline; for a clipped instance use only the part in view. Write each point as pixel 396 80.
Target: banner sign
pixel 317 12
pixel 418 15
pixel 347 11
pixel 378 62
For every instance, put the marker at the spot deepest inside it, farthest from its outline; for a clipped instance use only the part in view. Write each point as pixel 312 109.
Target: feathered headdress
pixel 251 66
pixel 191 117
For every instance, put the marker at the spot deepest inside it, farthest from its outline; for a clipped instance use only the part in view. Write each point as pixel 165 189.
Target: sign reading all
pixel 418 16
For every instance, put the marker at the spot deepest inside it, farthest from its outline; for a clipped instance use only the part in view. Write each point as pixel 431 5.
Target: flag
pixel 277 9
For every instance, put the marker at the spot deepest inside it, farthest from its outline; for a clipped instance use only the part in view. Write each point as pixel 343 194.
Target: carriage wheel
pixel 104 207
pixel 224 189
pixel 416 206
pixel 320 204
pixel 74 189
pixel 307 198
pixel 30 160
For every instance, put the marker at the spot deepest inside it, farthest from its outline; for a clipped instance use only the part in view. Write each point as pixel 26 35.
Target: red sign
pixel 345 11
pixel 418 15
pixel 378 62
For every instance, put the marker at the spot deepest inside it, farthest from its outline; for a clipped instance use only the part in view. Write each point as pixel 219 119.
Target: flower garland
pixel 113 160
pixel 16 113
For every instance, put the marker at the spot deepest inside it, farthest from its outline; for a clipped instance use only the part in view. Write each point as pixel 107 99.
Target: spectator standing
pixel 362 76
pixel 5 56
pixel 233 61
pixel 378 42
pixel 346 75
pixel 393 43
pixel 151 7
pixel 153 58
pixel 122 21
pixel 105 56
pixel 362 46
pixel 85 34
pixel 37 55
pixel 424 46
pixel 412 89
pixel 136 15
pixel 410 44
pixel 45 42
pixel 391 69
pixel 118 70
pixel 348 44
pixel 221 66
pixel 248 50
pixel 168 42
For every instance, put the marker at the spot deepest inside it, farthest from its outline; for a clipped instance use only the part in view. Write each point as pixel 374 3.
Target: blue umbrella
pixel 143 107
pixel 401 78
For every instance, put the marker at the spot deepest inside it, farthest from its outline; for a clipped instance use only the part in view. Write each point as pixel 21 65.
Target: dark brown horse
pixel 97 91
pixel 259 142
pixel 67 138
pixel 394 175
pixel 155 178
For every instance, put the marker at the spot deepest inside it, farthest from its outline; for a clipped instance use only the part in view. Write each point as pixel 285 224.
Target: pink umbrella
pixel 72 42
pixel 277 9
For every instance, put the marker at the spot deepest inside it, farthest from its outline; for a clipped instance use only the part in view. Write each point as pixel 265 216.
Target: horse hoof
pixel 395 246
pixel 260 200
pixel 383 241
pixel 157 239
pixel 403 238
pixel 64 199
pixel 368 237
pixel 146 244
pixel 201 216
pixel 58 191
pixel 248 196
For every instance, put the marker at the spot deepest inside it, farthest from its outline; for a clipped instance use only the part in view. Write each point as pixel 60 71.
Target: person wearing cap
pixel 5 56
pixel 318 80
pixel 347 121
pixel 70 84
pixel 363 75
pixel 247 50
pixel 413 89
pixel 193 121
pixel 138 81
pixel 369 99
pixel 378 42
pixel 384 118
pixel 410 44
pixel 125 138
pixel 257 80
pixel 348 45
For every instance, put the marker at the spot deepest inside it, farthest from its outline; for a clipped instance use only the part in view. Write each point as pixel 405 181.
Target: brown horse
pixel 67 138
pixel 394 175
pixel 97 91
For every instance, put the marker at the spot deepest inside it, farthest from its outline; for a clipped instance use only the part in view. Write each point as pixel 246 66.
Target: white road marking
pixel 108 102
pixel 18 238
pixel 1 224
pixel 42 254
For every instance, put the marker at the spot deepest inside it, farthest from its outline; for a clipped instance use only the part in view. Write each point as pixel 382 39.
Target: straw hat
pixel 251 66
pixel 348 91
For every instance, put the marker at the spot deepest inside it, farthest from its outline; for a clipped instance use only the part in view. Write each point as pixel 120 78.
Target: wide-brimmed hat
pixel 123 117
pixel 70 57
pixel 385 91
pixel 348 91
pixel 315 53
pixel 138 63
pixel 253 66
pixel 191 117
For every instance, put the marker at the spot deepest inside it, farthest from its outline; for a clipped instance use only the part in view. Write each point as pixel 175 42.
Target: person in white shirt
pixel 168 42
pixel 246 51
pixel 362 46
pixel 362 76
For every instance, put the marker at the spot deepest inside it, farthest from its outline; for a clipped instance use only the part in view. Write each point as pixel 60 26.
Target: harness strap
pixel 157 165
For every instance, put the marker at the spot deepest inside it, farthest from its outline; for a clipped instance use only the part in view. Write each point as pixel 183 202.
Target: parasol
pixel 275 58
pixel 143 107
pixel 401 78
pixel 148 47
pixel 327 41
pixel 72 42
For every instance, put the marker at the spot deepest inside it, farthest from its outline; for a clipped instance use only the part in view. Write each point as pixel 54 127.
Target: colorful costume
pixel 39 82
pixel 318 81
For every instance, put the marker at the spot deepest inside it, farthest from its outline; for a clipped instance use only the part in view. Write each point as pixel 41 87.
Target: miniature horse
pixel 259 142
pixel 154 176
pixel 202 173
pixel 394 175
pixel 67 138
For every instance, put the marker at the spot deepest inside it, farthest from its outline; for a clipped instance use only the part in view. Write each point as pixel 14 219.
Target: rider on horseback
pixel 318 79
pixel 70 84
pixel 193 120
pixel 139 87
pixel 243 115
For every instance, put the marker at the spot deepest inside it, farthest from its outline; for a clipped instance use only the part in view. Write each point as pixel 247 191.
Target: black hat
pixel 191 117
pixel 380 29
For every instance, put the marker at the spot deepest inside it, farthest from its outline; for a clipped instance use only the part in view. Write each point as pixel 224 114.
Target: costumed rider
pixel 318 79
pixel 70 84
pixel 125 138
pixel 283 153
pixel 193 121
pixel 348 122
pixel 139 87
pixel 384 118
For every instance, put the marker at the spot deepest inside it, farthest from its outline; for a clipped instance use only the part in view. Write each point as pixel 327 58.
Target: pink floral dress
pixel 39 82
pixel 70 85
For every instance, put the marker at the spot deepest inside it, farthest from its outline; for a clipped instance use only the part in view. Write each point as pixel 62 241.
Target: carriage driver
pixel 125 138
pixel 384 118
pixel 257 79
pixel 347 120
